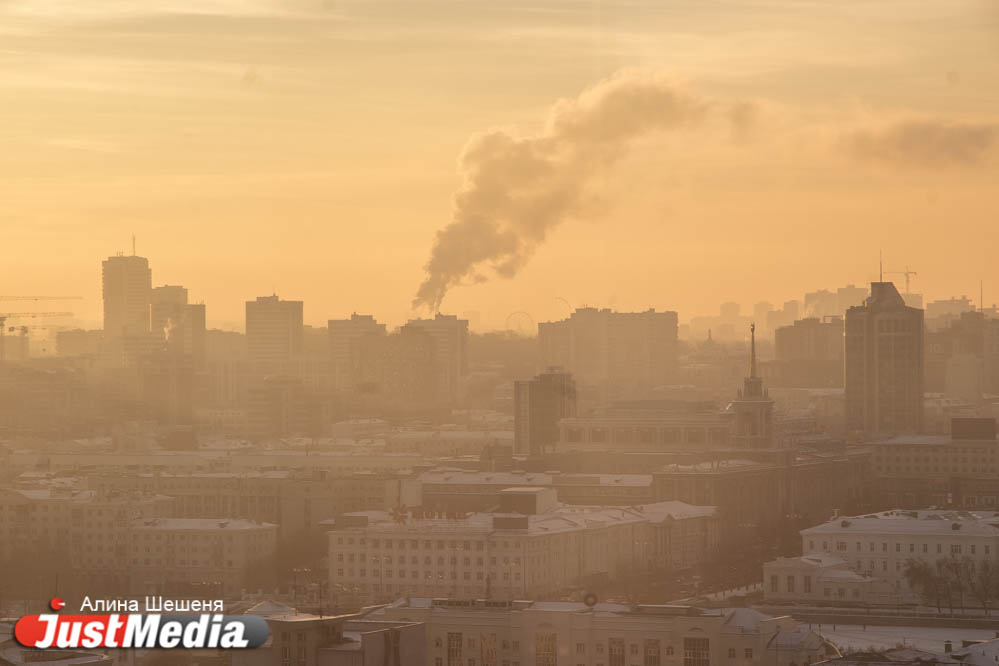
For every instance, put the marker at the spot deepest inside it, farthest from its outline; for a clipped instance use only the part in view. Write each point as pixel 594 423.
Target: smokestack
pixel 516 190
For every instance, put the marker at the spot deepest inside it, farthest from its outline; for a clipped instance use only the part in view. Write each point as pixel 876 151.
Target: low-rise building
pixel 898 551
pixel 959 470
pixel 533 547
pixel 465 490
pixel 546 633
pixel 201 557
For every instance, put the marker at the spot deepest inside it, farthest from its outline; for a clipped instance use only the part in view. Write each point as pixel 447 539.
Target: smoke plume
pixel 926 143
pixel 516 190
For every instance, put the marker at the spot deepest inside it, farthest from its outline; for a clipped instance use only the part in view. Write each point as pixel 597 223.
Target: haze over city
pixel 466 333
pixel 299 148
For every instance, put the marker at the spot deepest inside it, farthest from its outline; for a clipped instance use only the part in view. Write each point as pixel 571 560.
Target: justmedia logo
pixel 135 630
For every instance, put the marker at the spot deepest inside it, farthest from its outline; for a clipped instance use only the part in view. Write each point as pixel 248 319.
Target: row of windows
pixel 954 548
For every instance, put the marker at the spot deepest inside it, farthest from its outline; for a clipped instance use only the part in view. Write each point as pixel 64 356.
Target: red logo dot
pixel 57 604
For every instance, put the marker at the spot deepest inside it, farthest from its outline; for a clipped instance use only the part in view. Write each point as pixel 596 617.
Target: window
pixel 696 652
pixel 790 583
pixel 731 653
pixel 808 584
pixel 545 649
pixel 652 652
pixel 615 651
pixel 454 644
pixel 748 653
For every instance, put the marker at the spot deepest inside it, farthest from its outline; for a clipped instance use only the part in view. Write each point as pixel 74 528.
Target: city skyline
pixel 831 133
pixel 563 307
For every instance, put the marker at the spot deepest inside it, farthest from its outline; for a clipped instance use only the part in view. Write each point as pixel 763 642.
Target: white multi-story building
pixel 203 557
pixel 545 633
pixel 534 547
pixel 863 559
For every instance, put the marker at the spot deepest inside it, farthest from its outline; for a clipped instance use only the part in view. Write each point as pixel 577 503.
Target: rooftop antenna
pixel 133 245
pixel 881 266
pixel 752 349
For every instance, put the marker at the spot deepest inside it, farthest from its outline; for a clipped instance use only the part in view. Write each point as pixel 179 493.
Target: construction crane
pixel 41 298
pixel 907 273
pixel 4 316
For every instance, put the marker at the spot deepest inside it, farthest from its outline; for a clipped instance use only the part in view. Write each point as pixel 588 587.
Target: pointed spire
pixel 752 349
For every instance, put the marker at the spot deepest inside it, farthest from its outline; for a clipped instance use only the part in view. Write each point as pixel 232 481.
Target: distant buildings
pixel 808 354
pixel 296 501
pixel 942 311
pixel 533 547
pixel 618 351
pixel 884 364
pixel 273 329
pixel 539 405
pixel 453 490
pixel 962 357
pixel 344 336
pixel 179 324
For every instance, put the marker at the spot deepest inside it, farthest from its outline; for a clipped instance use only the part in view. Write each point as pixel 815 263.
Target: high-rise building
pixel 273 329
pixel 398 367
pixel 343 336
pixel 539 405
pixel 127 286
pixel 808 354
pixel 884 364
pixel 179 324
pixel 633 351
pixel 450 340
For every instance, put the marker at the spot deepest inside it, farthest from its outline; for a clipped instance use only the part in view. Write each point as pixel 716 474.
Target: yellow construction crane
pixel 907 273
pixel 4 316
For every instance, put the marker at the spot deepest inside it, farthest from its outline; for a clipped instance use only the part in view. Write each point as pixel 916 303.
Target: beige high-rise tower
pixel 127 287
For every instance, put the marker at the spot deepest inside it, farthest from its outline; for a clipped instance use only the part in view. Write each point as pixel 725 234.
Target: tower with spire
pixel 753 411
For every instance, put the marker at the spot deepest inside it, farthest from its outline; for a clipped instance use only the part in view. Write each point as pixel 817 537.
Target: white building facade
pixel 534 548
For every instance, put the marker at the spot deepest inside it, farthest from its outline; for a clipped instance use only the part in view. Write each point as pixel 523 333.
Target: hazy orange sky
pixel 311 148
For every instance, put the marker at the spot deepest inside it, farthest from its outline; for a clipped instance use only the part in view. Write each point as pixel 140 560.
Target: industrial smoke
pixel 515 190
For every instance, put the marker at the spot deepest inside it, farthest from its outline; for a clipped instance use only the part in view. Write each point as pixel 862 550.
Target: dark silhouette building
pixel 539 405
pixel 883 377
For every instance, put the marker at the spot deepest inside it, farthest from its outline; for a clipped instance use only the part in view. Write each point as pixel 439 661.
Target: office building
pixel 167 307
pixel 204 558
pixel 273 329
pixel 343 336
pixel 127 290
pixel 533 547
pixel 630 352
pixel 807 354
pixel 538 406
pixel 883 376
pixel 450 352
pixel 400 368
pixel 959 471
